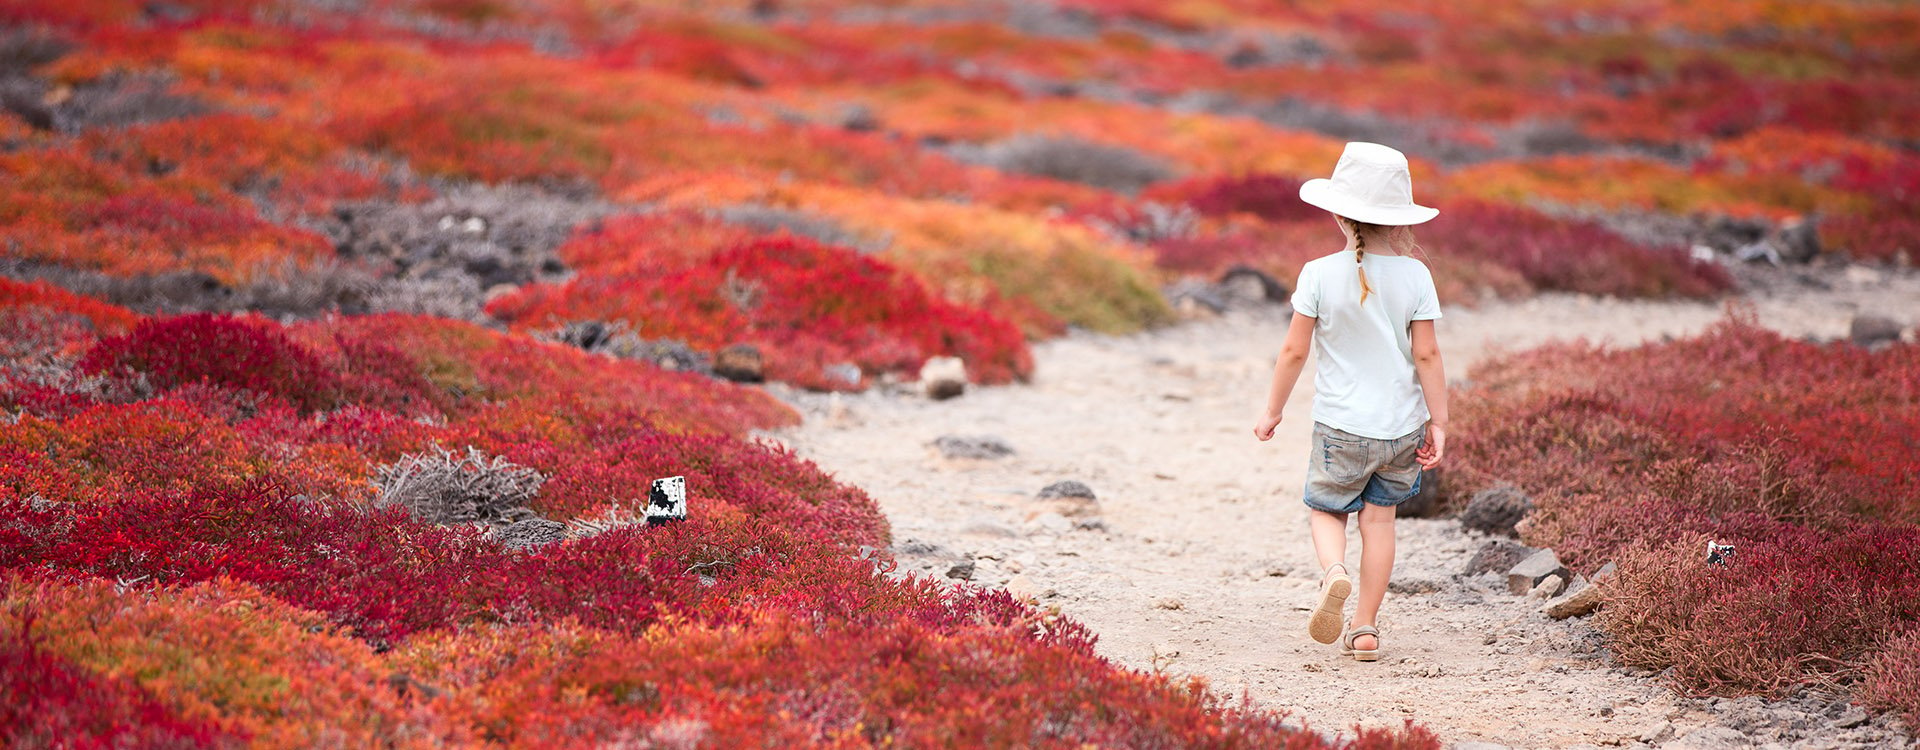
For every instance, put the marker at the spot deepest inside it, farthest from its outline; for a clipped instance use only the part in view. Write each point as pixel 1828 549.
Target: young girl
pixel 1380 398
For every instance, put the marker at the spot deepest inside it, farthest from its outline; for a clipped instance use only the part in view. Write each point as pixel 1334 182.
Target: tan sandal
pixel 1372 654
pixel 1329 615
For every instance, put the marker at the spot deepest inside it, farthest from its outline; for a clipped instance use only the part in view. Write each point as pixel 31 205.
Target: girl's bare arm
pixel 1433 383
pixel 1286 371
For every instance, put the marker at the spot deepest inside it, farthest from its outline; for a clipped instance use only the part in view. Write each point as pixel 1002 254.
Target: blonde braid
pixel 1359 255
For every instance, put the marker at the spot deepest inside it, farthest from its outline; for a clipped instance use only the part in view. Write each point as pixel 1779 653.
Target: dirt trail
pixel 1198 560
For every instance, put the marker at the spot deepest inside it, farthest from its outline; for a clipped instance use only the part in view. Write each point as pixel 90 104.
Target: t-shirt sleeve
pixel 1428 305
pixel 1306 293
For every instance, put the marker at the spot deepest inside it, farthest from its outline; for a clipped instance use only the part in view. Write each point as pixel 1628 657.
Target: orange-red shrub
pixel 104 319
pixel 786 682
pixel 805 305
pixel 48 701
pixel 1797 453
pixel 1893 677
pixel 223 657
pixel 227 352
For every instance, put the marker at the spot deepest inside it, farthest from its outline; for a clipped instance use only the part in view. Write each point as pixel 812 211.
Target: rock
pixel 1022 587
pixel 1168 602
pixel 1854 716
pixel 975 447
pixel 1604 571
pixel 1244 285
pixel 1797 242
pixel 1582 602
pixel 942 378
pixel 1496 510
pixel 1496 556
pixel 1479 746
pixel 1537 567
pixel 844 374
pixel 918 548
pixel 740 363
pixel 1868 330
pixel 1657 731
pixel 530 534
pixel 1195 298
pixel 962 570
pixel 1427 503
pixel 1727 234
pixel 1066 488
pixel 1548 587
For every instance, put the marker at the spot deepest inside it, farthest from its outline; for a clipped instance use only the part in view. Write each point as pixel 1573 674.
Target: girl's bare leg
pixel 1376 566
pixel 1329 537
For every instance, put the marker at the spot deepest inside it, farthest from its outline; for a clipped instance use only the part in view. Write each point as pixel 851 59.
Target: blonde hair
pixel 1397 238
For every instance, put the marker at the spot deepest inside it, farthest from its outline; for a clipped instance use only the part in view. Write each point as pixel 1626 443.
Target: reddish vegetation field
pixel 194 554
pixel 1798 454
pixel 338 346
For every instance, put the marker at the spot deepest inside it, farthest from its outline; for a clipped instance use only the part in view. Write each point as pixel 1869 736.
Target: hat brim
pixel 1320 193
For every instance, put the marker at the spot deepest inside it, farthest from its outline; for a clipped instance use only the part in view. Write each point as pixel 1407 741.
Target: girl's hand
pixel 1264 430
pixel 1433 448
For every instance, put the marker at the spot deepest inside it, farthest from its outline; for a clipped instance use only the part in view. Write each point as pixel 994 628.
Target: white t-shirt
pixel 1365 383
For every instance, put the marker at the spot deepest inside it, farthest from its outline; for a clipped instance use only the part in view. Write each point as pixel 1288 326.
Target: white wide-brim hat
pixel 1370 184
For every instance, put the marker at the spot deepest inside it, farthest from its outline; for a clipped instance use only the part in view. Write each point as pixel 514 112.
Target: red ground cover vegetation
pixel 1799 454
pixel 1475 249
pixel 805 305
pixel 191 554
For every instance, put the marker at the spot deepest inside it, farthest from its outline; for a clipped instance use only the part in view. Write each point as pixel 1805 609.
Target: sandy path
pixel 1198 560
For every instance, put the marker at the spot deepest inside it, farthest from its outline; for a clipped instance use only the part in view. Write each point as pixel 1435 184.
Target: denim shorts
pixel 1345 470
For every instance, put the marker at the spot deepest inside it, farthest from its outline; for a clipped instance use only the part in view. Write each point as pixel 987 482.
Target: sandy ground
pixel 1196 558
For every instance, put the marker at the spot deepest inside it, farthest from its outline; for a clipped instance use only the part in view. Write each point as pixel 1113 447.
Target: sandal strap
pixel 1360 631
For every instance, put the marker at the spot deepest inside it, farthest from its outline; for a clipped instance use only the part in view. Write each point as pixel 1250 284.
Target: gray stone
pixel 1066 488
pixel 1656 731
pixel 1537 567
pixel 1195 297
pixel 1247 285
pixel 846 374
pixel 1854 716
pixel 962 570
pixel 977 447
pixel 1798 242
pixel 740 363
pixel 918 548
pixel 1868 330
pixel 1496 510
pixel 1497 556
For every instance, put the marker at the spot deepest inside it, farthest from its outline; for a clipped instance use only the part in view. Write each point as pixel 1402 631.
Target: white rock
pixel 943 378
